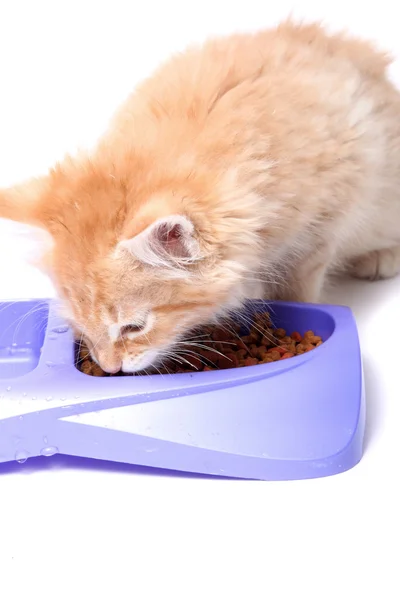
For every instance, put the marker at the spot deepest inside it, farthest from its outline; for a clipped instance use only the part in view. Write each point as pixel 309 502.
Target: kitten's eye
pixel 132 328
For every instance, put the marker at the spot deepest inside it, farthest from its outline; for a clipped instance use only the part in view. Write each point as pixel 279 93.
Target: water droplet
pixel 76 397
pixel 45 440
pixel 24 394
pixel 52 337
pixel 60 329
pixel 49 398
pixel 150 450
pixel 33 397
pixel 21 456
pixel 49 451
pixel 14 345
pixel 8 388
pixel 50 363
pixel 63 398
pixel 20 417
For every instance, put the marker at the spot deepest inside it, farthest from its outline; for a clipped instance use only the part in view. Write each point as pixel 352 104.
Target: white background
pixel 74 532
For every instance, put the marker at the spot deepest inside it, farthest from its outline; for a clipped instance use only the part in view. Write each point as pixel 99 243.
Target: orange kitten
pixel 250 167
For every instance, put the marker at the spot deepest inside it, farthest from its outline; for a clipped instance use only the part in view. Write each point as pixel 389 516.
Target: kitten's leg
pixel 306 282
pixel 379 264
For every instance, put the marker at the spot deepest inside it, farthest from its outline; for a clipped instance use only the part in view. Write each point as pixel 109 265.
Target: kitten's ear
pixel 168 242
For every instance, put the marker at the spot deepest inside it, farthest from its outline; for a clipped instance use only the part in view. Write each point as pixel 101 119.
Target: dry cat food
pixel 223 347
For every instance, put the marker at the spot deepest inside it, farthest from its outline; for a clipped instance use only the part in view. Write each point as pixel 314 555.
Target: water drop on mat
pixel 21 456
pixel 49 451
pixel 61 329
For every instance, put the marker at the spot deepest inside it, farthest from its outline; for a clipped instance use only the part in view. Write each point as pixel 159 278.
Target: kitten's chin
pixel 144 361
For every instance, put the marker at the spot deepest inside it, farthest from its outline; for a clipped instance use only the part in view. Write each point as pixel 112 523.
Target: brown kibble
pixel 263 319
pixel 281 350
pixel 97 371
pixel 86 367
pixel 250 362
pixel 296 336
pixel 233 358
pixel 309 347
pixel 251 338
pixel 84 354
pixel 210 355
pixel 262 345
pixel 308 334
pixel 253 350
pixel 221 335
pixel 227 362
pixel 291 347
pixel 242 345
pixel 261 352
pixel 280 333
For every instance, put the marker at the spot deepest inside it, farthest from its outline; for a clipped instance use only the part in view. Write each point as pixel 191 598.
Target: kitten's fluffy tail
pixel 20 203
pixel 8 208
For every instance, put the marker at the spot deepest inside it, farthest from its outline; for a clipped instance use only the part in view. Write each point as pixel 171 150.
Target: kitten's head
pixel 136 270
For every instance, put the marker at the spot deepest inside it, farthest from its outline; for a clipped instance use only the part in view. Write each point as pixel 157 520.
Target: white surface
pixel 79 533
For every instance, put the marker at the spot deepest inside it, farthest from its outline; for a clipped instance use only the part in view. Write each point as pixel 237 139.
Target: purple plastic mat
pixel 294 419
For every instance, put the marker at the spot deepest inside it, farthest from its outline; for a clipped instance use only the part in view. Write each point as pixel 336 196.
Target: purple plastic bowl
pixel 294 419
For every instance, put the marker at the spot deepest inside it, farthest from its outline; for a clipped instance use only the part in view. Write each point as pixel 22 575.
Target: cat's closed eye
pixel 132 328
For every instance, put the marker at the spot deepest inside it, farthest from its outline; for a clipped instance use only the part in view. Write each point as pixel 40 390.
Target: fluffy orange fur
pixel 252 166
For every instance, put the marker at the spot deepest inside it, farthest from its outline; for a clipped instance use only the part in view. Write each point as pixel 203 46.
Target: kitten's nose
pixel 108 361
pixel 110 367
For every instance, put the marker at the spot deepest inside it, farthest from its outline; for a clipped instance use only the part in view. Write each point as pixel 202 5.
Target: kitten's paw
pixel 380 264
